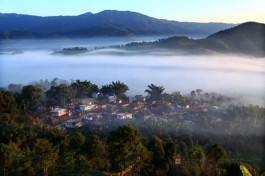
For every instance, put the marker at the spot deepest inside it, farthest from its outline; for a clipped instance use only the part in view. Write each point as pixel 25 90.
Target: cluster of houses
pixel 92 111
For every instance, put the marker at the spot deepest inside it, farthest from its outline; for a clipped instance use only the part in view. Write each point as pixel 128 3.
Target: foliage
pixel 84 88
pixel 59 95
pixel 45 155
pixel 126 147
pixel 155 92
pixel 147 147
pixel 31 97
pixel 117 87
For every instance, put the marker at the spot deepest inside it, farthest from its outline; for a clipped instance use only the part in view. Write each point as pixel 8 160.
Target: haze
pixel 231 75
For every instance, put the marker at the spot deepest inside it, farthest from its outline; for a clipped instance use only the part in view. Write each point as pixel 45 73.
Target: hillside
pixel 105 23
pixel 247 38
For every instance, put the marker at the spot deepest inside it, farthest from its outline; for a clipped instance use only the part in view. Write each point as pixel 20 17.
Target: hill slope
pixel 110 23
pixel 247 38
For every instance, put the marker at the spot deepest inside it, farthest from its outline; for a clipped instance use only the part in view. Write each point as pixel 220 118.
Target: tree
pixel 45 155
pixel 193 95
pixel 11 159
pixel 119 88
pixel 155 92
pixel 106 89
pixel 8 102
pixel 59 95
pixel 126 147
pixel 31 97
pixel 77 139
pixel 170 152
pixel 84 88
pixel 158 156
pixel 216 153
pixel 97 153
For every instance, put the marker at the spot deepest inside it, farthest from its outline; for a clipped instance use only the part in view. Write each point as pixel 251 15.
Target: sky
pixel 229 11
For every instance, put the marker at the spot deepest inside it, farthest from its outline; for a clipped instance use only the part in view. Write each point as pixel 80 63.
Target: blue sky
pixel 234 11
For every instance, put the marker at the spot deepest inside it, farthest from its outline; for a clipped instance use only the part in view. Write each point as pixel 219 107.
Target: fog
pixel 242 77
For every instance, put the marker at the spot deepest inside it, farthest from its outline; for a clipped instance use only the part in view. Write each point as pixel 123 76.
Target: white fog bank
pixel 233 75
pixel 239 76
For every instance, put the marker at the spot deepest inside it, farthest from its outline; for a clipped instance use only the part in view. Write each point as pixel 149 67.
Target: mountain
pixel 105 23
pixel 247 38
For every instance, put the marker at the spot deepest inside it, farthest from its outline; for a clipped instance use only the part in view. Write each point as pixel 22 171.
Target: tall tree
pixel 59 95
pixel 158 156
pixel 77 140
pixel 11 159
pixel 31 97
pixel 216 153
pixel 106 89
pixel 126 147
pixel 155 92
pixel 119 88
pixel 45 155
pixel 97 153
pixel 8 102
pixel 84 88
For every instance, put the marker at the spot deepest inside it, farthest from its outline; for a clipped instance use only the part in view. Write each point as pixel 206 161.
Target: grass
pixel 244 171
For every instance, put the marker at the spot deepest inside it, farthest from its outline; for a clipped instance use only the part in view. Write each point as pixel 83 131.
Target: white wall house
pixel 92 116
pixel 111 97
pixel 57 112
pixel 123 116
pixel 96 95
pixel 88 107
pixel 73 123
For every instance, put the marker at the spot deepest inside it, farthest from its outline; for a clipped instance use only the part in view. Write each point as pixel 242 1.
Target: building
pixel 73 123
pixel 96 95
pixel 111 97
pixel 88 107
pixel 123 116
pixel 92 116
pixel 57 112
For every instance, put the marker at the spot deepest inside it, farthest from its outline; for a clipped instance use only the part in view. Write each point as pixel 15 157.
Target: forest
pixel 142 147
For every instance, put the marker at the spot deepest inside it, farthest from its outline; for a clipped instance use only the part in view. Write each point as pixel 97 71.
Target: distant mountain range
pixel 247 38
pixel 105 23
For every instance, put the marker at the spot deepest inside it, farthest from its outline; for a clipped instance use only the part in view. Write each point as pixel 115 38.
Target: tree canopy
pixel 155 92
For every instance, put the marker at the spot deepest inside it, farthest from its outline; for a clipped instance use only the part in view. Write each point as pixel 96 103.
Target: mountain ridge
pixel 247 39
pixel 136 23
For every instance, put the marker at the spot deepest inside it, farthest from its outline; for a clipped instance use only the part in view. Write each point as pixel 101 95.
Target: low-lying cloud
pixel 233 75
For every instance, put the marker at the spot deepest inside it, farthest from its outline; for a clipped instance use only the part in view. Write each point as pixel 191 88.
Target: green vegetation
pixel 244 171
pixel 139 147
pixel 155 92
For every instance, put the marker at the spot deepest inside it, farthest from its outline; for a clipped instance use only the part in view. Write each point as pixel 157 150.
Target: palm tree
pixel 119 88
pixel 84 88
pixel 155 92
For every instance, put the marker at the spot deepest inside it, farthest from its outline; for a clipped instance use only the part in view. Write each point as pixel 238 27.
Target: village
pixel 112 111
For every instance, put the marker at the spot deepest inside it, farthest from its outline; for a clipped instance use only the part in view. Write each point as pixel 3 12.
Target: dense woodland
pixel 140 148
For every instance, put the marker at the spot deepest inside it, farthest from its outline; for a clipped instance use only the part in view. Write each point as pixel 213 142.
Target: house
pixel 96 95
pixel 111 97
pixel 92 116
pixel 88 107
pixel 57 112
pixel 143 114
pixel 73 123
pixel 102 106
pixel 123 116
pixel 132 99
